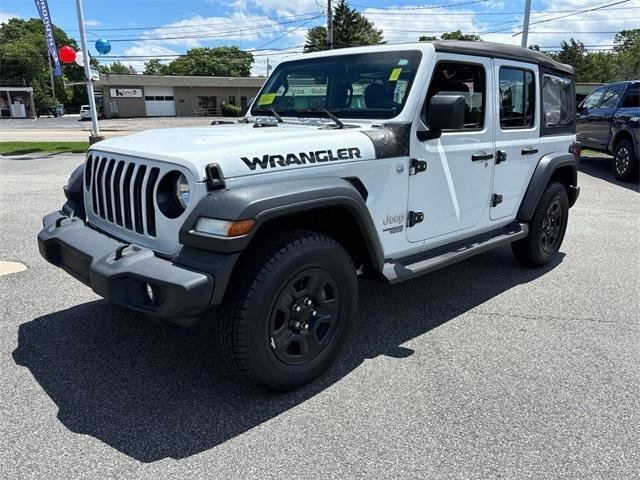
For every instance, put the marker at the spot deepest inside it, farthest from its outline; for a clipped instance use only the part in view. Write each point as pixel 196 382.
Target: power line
pixel 204 23
pixel 218 34
pixel 593 9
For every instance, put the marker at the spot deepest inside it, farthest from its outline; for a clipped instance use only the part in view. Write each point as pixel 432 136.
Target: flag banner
pixel 43 9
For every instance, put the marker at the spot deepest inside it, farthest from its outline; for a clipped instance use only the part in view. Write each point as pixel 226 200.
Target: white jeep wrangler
pixel 385 161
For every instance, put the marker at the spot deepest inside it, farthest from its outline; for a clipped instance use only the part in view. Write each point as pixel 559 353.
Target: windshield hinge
pixel 416 166
pixel 414 218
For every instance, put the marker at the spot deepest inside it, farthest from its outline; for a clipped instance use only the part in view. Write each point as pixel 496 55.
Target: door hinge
pixel 414 218
pixel 501 156
pixel 416 166
pixel 496 200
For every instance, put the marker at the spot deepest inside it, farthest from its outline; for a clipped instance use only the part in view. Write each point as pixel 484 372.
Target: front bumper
pixel 124 273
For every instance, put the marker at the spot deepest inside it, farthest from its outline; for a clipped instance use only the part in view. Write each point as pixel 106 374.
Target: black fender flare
pixel 545 169
pixel 271 200
pixel 74 193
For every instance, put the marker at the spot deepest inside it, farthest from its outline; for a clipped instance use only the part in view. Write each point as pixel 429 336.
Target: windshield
pixel 364 85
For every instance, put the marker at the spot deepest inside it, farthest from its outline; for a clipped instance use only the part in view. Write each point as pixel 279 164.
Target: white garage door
pixel 159 102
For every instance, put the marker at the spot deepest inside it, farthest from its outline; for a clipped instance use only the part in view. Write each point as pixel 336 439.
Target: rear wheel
pixel 546 229
pixel 290 309
pixel 625 162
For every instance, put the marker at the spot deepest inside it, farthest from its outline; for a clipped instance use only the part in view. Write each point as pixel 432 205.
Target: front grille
pixel 122 192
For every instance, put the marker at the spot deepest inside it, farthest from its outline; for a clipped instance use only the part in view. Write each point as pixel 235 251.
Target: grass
pixel 21 148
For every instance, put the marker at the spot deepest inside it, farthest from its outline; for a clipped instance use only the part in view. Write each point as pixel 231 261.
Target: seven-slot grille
pixel 122 192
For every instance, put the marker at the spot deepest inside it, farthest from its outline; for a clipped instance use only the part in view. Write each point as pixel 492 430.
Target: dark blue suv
pixel 608 121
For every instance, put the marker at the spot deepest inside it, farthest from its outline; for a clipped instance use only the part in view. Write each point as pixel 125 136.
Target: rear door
pixel 517 136
pixel 453 193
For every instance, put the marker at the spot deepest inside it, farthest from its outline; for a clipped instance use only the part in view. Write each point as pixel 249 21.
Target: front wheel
pixel 289 310
pixel 546 229
pixel 625 162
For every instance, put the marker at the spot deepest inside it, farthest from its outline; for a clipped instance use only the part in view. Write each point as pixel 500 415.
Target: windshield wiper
pixel 329 115
pixel 272 111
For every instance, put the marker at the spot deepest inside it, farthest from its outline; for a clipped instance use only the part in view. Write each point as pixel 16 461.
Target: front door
pixel 587 119
pixel 602 118
pixel 454 191
pixel 518 146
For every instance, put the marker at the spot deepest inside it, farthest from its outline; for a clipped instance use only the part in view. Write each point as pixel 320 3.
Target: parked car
pixel 85 112
pixel 384 161
pixel 608 121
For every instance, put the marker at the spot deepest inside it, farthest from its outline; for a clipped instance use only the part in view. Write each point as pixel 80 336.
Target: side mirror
pixel 445 112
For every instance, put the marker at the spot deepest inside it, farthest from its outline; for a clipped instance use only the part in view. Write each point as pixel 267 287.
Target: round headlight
pixel 182 191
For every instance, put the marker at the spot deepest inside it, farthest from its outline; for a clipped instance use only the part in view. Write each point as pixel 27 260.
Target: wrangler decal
pixel 301 158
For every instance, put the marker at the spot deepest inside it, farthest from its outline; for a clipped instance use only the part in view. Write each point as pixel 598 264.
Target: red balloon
pixel 67 54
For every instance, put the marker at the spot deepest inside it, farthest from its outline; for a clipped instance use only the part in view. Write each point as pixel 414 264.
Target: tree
pixel 24 61
pixel 219 62
pixel 350 29
pixel 457 35
pixel 154 67
pixel 117 68
pixel 627 49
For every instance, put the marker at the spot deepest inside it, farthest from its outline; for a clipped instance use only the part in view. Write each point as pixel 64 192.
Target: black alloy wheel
pixel 304 317
pixel 551 227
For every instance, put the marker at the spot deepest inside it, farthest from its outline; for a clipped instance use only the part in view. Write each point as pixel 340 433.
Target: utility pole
pixel 525 23
pixel 268 67
pixel 95 131
pixel 329 25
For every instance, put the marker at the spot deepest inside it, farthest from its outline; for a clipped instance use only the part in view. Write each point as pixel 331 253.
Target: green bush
pixel 230 110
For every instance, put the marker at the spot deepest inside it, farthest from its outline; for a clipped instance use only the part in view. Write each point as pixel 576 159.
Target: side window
pixel 468 80
pixel 593 99
pixel 558 102
pixel 632 99
pixel 610 99
pixel 517 98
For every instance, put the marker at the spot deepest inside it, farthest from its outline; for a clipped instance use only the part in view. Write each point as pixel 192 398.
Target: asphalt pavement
pixel 482 370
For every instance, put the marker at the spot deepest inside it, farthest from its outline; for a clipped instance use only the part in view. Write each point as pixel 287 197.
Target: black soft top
pixel 501 50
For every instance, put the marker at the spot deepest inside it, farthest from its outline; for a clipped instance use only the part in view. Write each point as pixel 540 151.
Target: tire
pixel 288 309
pixel 546 229
pixel 625 162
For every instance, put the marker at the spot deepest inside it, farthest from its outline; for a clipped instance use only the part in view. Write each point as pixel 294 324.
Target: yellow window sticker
pixel 266 98
pixel 395 74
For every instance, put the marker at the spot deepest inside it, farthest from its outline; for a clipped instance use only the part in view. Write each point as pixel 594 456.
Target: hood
pixel 242 149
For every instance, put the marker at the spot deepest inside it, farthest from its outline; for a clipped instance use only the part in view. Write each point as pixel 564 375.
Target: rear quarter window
pixel 558 104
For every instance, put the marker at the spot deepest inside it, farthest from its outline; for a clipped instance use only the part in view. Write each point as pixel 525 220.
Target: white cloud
pixel 191 32
pixel 4 16
pixel 399 25
pixel 92 23
pixel 280 7
pixel 148 51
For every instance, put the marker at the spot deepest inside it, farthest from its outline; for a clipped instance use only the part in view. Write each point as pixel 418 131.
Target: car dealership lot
pixel 71 128
pixel 481 370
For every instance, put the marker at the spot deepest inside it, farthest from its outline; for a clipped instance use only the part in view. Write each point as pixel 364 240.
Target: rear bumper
pixel 125 273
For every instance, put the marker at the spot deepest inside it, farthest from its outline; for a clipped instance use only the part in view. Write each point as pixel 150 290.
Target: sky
pixel 274 29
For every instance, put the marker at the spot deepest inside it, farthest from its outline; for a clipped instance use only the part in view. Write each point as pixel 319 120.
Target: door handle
pixel 529 151
pixel 481 156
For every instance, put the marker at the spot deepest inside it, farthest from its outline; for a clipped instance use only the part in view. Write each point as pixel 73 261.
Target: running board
pixel 396 271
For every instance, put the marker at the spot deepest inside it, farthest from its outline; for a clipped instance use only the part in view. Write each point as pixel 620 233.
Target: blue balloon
pixel 103 46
